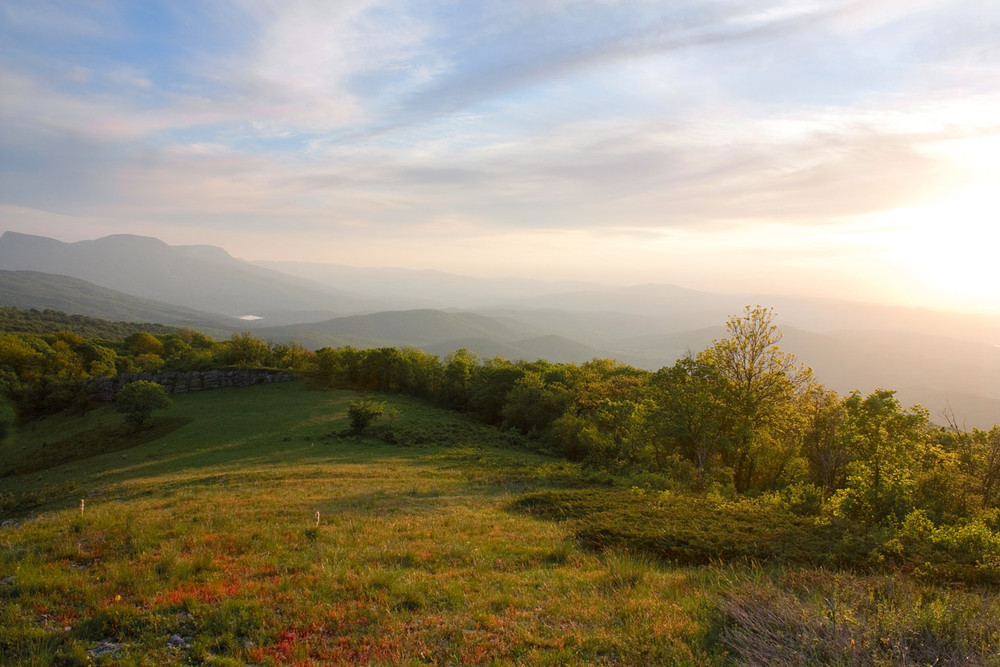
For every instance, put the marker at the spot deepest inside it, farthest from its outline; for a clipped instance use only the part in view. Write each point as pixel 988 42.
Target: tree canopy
pixel 138 400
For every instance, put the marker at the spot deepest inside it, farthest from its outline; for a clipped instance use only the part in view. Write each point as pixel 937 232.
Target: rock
pixel 182 382
pixel 104 648
pixel 176 641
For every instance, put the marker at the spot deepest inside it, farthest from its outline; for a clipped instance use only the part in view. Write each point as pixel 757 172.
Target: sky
pixel 838 148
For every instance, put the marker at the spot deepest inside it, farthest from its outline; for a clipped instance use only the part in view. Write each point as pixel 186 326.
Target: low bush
pixel 815 617
pixel 363 412
pixel 685 528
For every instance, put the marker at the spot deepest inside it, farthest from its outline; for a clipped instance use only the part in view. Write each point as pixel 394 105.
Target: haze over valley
pixel 944 361
pixel 518 332
pixel 520 179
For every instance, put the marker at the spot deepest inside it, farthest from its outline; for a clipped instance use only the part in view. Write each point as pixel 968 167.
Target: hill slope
pixel 31 289
pixel 200 277
pixel 252 533
pixel 409 327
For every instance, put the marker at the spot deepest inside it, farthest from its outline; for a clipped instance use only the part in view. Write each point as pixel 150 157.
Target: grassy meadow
pixel 245 527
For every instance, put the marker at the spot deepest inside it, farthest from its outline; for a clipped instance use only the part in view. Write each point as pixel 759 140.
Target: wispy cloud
pixel 499 120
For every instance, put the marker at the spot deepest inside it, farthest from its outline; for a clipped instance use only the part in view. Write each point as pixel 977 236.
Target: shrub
pixel 138 400
pixel 363 412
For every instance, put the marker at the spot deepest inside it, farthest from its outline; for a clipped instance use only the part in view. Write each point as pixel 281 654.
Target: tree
pixel 143 343
pixel 362 413
pixel 137 401
pixel 459 373
pixel 826 446
pixel 245 349
pixel 889 445
pixel 97 359
pixel 535 402
pixel 689 417
pixel 988 445
pixel 760 390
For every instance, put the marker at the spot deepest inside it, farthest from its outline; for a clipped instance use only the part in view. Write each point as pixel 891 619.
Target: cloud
pixel 58 20
pixel 635 121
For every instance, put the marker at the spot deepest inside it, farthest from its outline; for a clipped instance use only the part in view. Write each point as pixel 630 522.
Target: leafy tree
pixel 245 349
pixel 363 412
pixel 618 429
pixel 978 453
pixel 295 357
pixel 196 339
pixel 988 448
pixel 759 387
pixel 143 343
pixel 534 403
pixel 336 368
pixel 97 359
pixel 888 444
pixel 460 369
pixel 825 446
pixel 885 436
pixel 491 386
pixel 601 380
pixel 384 369
pixel 149 362
pixel 689 417
pixel 137 400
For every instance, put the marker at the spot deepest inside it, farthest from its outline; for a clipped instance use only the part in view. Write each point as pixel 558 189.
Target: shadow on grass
pixel 94 442
pixel 689 530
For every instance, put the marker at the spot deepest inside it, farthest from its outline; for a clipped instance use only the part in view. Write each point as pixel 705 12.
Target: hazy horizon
pixel 838 149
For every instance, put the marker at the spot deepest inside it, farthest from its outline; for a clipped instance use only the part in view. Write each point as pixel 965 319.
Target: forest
pixel 738 422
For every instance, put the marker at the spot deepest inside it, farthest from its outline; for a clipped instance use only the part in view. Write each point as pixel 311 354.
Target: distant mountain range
pixel 937 359
pixel 32 289
pixel 438 332
pixel 202 278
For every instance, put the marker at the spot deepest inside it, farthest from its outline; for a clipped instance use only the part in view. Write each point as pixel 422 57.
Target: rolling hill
pixel 418 328
pixel 202 278
pixel 41 291
pixel 935 358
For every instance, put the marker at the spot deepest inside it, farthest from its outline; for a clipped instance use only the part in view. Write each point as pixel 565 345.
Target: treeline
pixel 740 418
pixel 16 320
pixel 46 373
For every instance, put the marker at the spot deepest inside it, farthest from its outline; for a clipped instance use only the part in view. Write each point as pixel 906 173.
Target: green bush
pixel 137 401
pixel 363 412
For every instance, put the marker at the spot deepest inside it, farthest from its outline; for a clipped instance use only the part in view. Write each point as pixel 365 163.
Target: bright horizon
pixel 836 149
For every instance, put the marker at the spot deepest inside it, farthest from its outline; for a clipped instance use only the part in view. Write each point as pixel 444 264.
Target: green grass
pixel 422 554
pixel 690 529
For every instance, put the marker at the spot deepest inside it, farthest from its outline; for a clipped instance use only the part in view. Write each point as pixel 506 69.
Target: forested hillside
pixel 31 290
pixel 942 360
pixel 16 320
pixel 732 458
pixel 739 418
pixel 46 363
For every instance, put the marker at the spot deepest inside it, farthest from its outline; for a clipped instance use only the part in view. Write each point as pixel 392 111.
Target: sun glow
pixel 949 248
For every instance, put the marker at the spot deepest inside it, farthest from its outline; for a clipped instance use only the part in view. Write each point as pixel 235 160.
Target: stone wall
pixel 181 382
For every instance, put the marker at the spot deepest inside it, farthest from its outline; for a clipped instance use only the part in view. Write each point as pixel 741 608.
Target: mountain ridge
pixel 193 276
pixel 852 345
